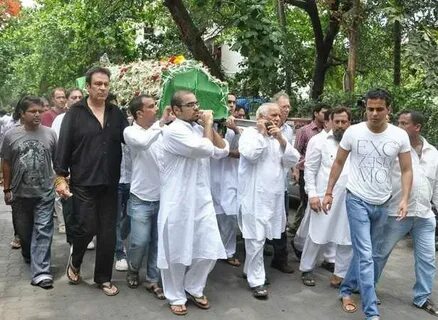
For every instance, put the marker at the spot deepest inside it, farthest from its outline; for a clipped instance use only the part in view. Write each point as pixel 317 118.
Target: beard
pixel 338 134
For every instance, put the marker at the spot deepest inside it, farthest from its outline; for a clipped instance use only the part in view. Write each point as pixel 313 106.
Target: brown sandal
pixel 233 261
pixel 348 304
pixel 178 309
pixel 73 274
pixel 200 302
pixel 156 290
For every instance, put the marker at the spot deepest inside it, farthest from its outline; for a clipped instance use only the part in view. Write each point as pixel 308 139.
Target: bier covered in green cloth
pixel 210 92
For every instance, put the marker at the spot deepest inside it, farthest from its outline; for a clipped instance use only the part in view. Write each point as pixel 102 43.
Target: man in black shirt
pixel 89 150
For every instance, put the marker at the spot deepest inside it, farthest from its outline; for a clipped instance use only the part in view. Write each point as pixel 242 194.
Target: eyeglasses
pixel 191 104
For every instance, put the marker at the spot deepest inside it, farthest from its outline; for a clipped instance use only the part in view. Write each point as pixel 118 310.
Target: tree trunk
pixel 282 21
pixel 352 50
pixel 191 36
pixel 397 53
pixel 319 75
pixel 323 44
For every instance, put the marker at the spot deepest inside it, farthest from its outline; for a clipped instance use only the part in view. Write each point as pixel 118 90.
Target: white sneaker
pixel 91 245
pixel 122 265
pixel 61 229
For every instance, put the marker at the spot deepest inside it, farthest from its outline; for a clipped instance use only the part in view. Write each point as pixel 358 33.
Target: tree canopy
pixel 301 46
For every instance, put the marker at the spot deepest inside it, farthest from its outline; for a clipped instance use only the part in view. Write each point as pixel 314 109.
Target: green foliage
pixel 53 45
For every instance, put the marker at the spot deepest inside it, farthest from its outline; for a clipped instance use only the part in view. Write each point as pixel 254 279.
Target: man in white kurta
pixel 224 192
pixel 326 229
pixel 189 242
pixel 280 259
pixel 264 156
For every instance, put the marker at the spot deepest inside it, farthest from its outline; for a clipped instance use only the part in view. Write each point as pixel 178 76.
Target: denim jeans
pixel 34 226
pixel 143 240
pixel 123 223
pixel 366 222
pixel 423 236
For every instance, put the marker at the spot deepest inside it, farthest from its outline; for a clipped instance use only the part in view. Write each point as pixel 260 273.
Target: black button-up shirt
pixel 90 153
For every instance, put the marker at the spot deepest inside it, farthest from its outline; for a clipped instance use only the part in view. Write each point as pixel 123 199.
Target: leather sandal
pixel 178 309
pixel 348 302
pixel 156 290
pixel 200 302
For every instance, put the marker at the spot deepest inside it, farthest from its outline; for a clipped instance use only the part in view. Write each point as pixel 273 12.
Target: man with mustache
pixel 27 154
pixel 326 229
pixel 265 154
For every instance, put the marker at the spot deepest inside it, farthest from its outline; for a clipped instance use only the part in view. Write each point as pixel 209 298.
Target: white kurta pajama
pixel 189 242
pixel 331 228
pixel 224 193
pixel 261 196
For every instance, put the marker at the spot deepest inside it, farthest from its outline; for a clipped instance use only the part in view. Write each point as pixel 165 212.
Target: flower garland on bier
pixel 151 76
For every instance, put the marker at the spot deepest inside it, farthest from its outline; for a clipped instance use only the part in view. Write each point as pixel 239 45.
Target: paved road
pixel 227 291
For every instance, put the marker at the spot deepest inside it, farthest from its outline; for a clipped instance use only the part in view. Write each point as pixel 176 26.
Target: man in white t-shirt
pixel 420 222
pixel 373 147
pixel 142 138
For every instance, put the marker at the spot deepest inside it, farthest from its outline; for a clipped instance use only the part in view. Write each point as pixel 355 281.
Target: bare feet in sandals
pixel 348 304
pixel 73 274
pixel 109 289
pixel 156 290
pixel 178 309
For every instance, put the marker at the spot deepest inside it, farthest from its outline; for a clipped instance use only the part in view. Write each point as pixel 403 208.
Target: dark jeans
pixel 303 205
pixel 34 226
pixel 95 210
pixel 123 220
pixel 280 245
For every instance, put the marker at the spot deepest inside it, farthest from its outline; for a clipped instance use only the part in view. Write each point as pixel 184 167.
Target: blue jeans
pixel 423 236
pixel 34 226
pixel 143 240
pixel 123 223
pixel 366 227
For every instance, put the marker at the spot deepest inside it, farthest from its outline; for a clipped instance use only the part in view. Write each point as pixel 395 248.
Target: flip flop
pixel 156 290
pixel 233 261
pixel 200 302
pixel 181 312
pixel 346 302
pixel 108 289
pixel 73 274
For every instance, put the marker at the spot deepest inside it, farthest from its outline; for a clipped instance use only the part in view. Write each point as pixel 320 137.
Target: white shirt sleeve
pixel 405 144
pixel 312 165
pixel 221 153
pixel 135 138
pixel 290 156
pixel 186 143
pixel 251 145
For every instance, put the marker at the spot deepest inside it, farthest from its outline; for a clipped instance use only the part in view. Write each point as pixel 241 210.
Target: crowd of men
pixel 175 190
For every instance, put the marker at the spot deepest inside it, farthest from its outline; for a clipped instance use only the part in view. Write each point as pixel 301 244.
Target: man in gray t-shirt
pixel 27 154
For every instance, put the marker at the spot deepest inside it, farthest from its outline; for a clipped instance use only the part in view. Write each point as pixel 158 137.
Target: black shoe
pixel 260 292
pixel 297 252
pixel 45 284
pixel 429 307
pixel 282 266
pixel 329 266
